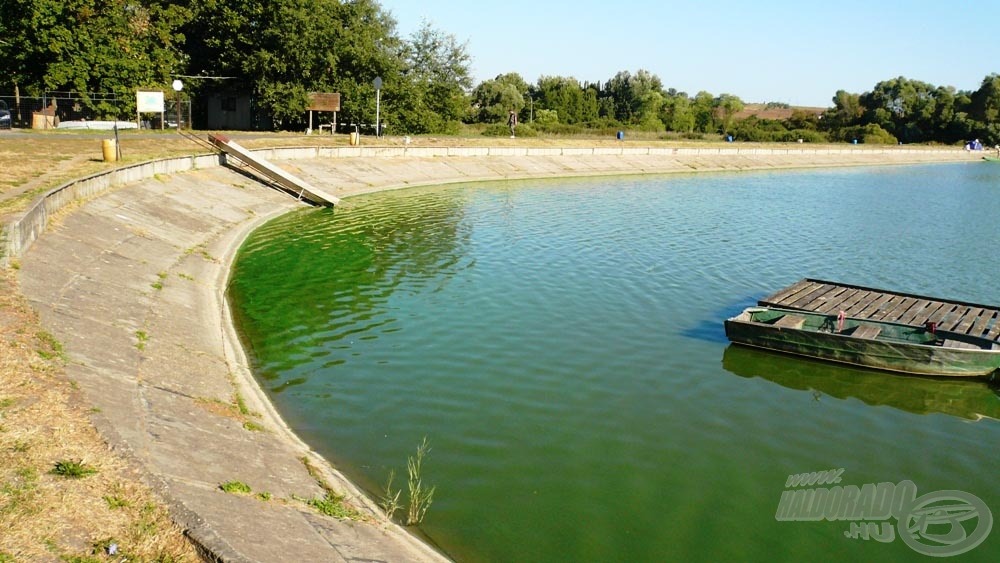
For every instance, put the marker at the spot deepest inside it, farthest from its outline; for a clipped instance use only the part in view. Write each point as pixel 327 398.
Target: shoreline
pixel 92 278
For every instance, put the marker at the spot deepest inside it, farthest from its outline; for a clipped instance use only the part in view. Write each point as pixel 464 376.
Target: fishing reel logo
pixel 937 524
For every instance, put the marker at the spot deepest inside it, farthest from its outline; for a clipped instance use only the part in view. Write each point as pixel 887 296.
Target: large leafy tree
pixel 567 97
pixel 729 105
pixel 283 49
pixel 92 46
pixel 439 79
pixel 637 97
pixel 492 99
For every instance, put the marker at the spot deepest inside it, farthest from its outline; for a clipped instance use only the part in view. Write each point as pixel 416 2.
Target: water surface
pixel 560 344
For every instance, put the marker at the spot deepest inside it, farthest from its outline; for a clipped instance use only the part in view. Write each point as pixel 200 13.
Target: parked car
pixel 4 115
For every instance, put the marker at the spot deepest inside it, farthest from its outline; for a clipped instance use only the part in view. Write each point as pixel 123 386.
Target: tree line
pixel 278 51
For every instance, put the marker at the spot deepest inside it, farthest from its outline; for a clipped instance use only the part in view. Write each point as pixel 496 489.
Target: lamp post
pixel 178 86
pixel 378 101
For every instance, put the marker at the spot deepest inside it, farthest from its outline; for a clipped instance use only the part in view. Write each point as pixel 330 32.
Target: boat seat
pixel 866 331
pixel 790 321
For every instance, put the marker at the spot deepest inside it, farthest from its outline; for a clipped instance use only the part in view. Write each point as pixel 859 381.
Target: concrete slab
pixel 168 400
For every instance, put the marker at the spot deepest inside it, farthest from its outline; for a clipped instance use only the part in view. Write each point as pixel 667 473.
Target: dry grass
pixel 36 161
pixel 46 516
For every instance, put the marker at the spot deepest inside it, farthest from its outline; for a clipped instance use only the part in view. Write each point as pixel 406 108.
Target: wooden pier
pixel 271 173
pixel 877 304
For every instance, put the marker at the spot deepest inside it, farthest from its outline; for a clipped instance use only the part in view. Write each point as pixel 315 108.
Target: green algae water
pixel 560 344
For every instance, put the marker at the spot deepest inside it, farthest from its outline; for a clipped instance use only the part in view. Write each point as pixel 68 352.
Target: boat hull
pixel 902 357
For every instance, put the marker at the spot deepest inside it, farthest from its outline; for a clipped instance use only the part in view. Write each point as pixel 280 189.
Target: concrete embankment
pixel 132 282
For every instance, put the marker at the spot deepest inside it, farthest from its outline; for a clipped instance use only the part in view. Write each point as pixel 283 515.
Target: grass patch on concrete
pixel 45 436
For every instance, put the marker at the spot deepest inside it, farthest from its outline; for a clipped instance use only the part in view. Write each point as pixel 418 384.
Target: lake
pixel 560 345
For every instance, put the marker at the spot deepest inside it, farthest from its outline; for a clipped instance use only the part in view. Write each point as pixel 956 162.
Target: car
pixel 4 115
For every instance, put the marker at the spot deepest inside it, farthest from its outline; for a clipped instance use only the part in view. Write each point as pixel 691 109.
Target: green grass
pixel 253 426
pixel 72 469
pixel 51 348
pixel 115 501
pixel 141 339
pixel 236 487
pixel 333 505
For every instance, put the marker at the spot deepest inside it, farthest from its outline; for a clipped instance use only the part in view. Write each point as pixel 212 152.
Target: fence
pixel 69 106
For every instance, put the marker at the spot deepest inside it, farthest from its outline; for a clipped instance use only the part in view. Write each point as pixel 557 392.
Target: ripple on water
pixel 559 342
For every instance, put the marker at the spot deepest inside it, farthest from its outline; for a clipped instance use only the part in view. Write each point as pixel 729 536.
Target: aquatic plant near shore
pixel 420 497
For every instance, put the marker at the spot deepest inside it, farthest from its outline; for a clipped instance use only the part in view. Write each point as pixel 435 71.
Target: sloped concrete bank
pixel 132 282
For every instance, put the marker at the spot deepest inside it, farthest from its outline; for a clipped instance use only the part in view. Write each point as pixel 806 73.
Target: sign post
pixel 148 102
pixel 378 100
pixel 324 101
pixel 178 86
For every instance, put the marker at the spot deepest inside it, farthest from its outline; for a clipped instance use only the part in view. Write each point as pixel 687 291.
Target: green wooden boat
pixel 918 350
pixel 991 158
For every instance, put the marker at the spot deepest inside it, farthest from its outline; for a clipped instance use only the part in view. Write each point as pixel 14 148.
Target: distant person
pixel 512 122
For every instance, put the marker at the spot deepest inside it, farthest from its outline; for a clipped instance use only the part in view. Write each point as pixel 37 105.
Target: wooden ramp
pixel 292 184
pixel 880 305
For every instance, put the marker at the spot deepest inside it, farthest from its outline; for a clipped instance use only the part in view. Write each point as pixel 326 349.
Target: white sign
pixel 149 102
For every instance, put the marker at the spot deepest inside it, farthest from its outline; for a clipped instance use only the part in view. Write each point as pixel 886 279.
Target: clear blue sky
pixel 799 53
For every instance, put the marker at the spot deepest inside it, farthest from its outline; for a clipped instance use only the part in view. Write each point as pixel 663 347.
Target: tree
pixel 283 49
pixel 632 95
pixel 567 97
pixel 703 109
pixel 678 114
pixel 437 66
pixel 492 99
pixel 729 105
pixel 86 46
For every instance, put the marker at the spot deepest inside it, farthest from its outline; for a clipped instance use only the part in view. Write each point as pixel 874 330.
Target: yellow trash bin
pixel 355 139
pixel 110 150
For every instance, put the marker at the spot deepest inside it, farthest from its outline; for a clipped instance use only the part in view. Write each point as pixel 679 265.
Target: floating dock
pixel 284 180
pixel 880 305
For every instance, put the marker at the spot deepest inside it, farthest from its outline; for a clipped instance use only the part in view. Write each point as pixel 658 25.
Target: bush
pixel 875 135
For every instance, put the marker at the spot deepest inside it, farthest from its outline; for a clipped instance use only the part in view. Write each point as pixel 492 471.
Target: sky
pixel 799 53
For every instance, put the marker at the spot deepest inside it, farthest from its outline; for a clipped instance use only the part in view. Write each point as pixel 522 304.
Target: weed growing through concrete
pixel 333 505
pixel 141 339
pixel 51 348
pixel 236 487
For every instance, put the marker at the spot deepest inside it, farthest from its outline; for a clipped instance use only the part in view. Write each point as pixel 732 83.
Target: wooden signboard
pixel 320 101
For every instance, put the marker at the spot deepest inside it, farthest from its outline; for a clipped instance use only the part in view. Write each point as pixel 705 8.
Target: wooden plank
pixel 876 306
pixel 983 324
pixel 927 313
pixel 812 295
pixel 915 311
pixel 866 331
pixel 900 309
pixel 960 344
pixel 901 294
pixel 836 304
pixel 994 333
pixel 829 297
pixel 862 304
pixel 832 293
pixel 968 320
pixel 952 321
pixel 790 321
pixel 776 298
pixel 277 175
